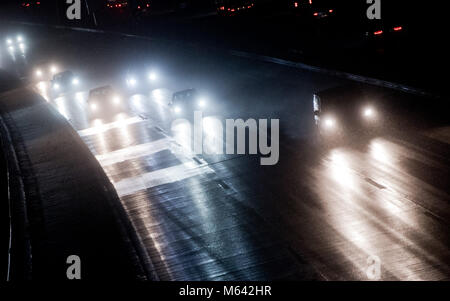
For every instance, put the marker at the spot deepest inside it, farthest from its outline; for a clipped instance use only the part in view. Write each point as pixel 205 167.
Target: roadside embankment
pixel 62 203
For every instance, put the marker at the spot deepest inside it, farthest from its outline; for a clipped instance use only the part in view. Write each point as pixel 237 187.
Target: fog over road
pixel 320 213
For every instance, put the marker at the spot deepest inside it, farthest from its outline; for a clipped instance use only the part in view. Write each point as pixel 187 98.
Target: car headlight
pixel 116 100
pixel 75 81
pixel 369 112
pixel 56 86
pixel 53 69
pixel 202 103
pixel 93 106
pixel 131 82
pixel 177 109
pixel 8 41
pixel 152 76
pixel 329 122
pixel 19 39
pixel 38 73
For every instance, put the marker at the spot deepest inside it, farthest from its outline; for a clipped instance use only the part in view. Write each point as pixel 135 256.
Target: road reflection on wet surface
pixel 327 213
pixel 320 213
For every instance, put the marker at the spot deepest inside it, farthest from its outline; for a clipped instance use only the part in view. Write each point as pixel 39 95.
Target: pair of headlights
pixel 330 122
pixel 115 101
pixel 75 82
pixel 133 82
pixel 19 42
pixel 40 73
pixel 201 104
pixel 19 39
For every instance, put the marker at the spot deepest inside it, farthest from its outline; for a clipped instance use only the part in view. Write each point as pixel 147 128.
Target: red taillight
pixel 28 4
pixel 148 5
pixel 398 28
pixel 139 7
pixel 316 14
pixel 310 2
pixel 232 9
pixel 296 4
pixel 330 11
pixel 378 32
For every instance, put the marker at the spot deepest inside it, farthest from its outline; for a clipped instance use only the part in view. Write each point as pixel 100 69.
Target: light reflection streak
pixel 340 169
pixel 182 133
pixel 136 101
pixel 61 106
pixel 379 152
pixel 109 126
pixel 213 136
pixel 372 220
pixel 123 127
pixel 43 90
pixel 160 97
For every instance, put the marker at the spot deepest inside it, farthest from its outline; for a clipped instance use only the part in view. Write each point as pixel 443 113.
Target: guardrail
pixel 17 214
pixel 5 208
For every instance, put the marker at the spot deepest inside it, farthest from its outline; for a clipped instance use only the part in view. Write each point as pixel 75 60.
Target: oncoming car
pixel 346 111
pixel 104 101
pixel 15 44
pixel 43 71
pixel 187 101
pixel 64 82
pixel 140 80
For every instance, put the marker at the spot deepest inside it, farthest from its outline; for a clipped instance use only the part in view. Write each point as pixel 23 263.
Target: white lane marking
pixel 160 177
pixel 133 152
pixel 101 128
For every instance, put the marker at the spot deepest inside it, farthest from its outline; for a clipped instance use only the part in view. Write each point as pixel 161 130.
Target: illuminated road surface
pixel 318 214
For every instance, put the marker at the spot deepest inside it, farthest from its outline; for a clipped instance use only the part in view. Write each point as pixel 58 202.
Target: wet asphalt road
pixel 320 213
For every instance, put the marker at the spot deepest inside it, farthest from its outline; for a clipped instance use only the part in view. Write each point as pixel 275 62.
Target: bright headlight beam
pixel 329 122
pixel 8 41
pixel 56 86
pixel 53 69
pixel 177 109
pixel 202 103
pixel 368 112
pixel 19 39
pixel 132 82
pixel 38 73
pixel 75 81
pixel 93 106
pixel 152 76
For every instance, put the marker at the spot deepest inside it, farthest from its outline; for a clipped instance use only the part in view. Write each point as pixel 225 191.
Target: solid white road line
pixel 160 177
pixel 134 152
